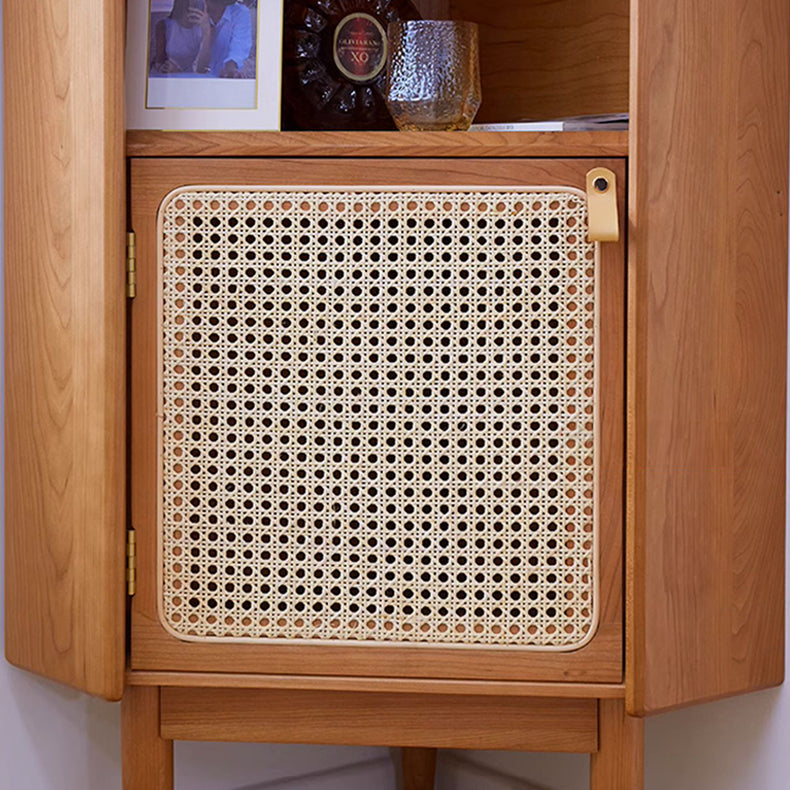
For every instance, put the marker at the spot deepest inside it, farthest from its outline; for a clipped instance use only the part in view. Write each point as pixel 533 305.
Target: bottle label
pixel 360 47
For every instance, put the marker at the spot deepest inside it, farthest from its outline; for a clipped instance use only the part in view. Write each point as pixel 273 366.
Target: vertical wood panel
pixel 65 348
pixel 708 277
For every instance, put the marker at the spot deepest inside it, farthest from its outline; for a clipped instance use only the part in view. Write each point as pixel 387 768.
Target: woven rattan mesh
pixel 378 416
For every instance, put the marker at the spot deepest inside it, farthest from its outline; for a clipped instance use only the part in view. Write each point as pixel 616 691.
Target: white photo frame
pixel 173 82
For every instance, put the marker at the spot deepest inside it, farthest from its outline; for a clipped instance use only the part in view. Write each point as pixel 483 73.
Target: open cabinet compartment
pixel 542 59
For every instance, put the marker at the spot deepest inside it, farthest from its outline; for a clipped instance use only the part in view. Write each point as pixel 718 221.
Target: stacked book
pixel 580 123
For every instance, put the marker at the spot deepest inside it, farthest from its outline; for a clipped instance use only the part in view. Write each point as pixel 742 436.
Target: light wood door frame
pixel 153 648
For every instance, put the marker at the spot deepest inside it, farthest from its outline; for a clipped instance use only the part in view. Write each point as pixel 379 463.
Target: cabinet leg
pixel 147 758
pixel 620 761
pixel 419 768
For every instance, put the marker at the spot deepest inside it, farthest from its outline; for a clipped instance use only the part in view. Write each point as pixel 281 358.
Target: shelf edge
pixel 392 685
pixel 441 145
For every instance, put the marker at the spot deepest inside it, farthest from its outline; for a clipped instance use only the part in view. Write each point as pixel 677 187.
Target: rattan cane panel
pixel 378 416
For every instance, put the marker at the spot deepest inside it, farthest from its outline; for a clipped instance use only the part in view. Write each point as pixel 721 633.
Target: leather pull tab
pixel 604 223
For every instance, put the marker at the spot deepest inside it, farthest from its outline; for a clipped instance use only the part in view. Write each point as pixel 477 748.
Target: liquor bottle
pixel 334 62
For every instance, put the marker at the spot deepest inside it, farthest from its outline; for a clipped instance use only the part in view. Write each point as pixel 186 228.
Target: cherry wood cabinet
pixel 692 383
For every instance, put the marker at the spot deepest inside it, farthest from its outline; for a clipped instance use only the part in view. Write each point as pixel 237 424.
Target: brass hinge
pixel 131 265
pixel 131 562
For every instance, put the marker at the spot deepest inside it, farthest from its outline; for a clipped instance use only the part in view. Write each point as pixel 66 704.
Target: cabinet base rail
pixel 153 717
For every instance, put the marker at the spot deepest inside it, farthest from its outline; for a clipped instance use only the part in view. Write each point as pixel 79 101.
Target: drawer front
pixel 378 417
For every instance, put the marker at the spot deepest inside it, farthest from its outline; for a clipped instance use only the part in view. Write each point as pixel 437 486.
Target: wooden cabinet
pixel 685 602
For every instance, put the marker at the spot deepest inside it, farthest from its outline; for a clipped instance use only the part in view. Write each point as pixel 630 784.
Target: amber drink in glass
pixel 433 74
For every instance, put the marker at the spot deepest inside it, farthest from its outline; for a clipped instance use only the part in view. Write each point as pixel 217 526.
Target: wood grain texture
pixel 546 59
pixel 418 767
pixel 469 688
pixel 706 404
pixel 358 719
pixel 65 342
pixel 370 144
pixel 154 649
pixel 147 758
pixel 619 763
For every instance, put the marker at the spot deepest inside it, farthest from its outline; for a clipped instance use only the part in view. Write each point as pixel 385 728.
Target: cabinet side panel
pixel 65 346
pixel 708 284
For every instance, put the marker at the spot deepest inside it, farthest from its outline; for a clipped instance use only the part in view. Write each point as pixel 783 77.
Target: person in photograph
pixel 231 39
pixel 182 39
pixel 249 71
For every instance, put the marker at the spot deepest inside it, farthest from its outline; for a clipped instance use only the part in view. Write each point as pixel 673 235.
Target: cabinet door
pixel 65 342
pixel 377 420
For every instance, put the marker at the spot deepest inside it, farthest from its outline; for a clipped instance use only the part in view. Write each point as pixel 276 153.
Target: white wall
pixel 737 744
pixel 55 739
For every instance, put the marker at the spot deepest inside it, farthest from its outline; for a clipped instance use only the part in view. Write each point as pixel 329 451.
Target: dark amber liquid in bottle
pixel 334 62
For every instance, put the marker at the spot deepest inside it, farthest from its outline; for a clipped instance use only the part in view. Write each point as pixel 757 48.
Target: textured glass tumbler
pixel 433 75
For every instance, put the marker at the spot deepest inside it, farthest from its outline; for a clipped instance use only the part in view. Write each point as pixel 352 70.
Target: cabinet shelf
pixel 376 144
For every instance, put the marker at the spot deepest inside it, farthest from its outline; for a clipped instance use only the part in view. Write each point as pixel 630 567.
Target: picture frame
pixel 204 65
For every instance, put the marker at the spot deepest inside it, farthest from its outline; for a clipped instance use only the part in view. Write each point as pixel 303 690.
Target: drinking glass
pixel 433 74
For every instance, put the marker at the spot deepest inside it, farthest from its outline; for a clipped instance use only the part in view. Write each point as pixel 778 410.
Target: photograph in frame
pixel 204 64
